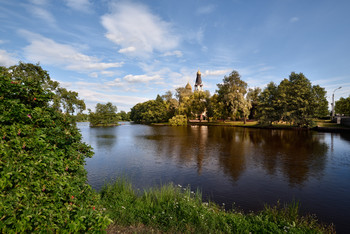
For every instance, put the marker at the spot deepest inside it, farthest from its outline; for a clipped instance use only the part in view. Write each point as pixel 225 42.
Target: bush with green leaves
pixel 42 177
pixel 178 120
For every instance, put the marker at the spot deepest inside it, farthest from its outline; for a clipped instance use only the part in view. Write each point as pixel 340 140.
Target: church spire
pixel 198 85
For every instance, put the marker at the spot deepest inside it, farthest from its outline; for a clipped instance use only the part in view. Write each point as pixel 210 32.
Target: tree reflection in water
pixel 297 154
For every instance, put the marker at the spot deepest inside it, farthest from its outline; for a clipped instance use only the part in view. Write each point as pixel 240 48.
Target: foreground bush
pixel 175 209
pixel 178 120
pixel 42 176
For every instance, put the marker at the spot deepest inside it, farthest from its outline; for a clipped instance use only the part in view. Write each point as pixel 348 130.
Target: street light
pixel 333 102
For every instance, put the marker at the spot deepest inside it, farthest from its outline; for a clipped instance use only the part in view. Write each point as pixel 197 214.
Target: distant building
pixel 198 86
pixel 188 86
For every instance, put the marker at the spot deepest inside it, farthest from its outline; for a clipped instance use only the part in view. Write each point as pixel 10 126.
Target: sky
pixel 126 52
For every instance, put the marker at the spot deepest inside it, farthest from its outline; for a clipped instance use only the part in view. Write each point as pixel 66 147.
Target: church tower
pixel 198 85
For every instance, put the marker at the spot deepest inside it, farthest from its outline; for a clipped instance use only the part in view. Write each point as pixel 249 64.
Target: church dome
pixel 198 72
pixel 188 86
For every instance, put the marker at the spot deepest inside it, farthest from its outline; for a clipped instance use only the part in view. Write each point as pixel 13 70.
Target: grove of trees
pixel 295 101
pixel 104 115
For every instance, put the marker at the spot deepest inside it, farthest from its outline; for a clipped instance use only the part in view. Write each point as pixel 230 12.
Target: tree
pixel 342 106
pixel 152 111
pixel 123 116
pixel 320 102
pixel 295 101
pixel 231 93
pixel 253 99
pixel 215 108
pixel 198 103
pixel 68 101
pixel 182 93
pixel 42 157
pixel 267 108
pixel 105 115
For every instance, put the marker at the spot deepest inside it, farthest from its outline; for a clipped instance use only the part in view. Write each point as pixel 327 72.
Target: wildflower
pixel 29 116
pixel 179 185
pixel 66 168
pixel 34 99
pixel 72 197
pixel 123 207
pixel 93 208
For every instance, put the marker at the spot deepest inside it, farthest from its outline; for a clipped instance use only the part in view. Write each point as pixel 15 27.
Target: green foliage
pixel 253 99
pixel 153 111
pixel 42 177
pixel 342 106
pixel 294 101
pixel 267 107
pixel 123 116
pixel 231 93
pixel 68 101
pixel 175 209
pixel 178 120
pixel 105 115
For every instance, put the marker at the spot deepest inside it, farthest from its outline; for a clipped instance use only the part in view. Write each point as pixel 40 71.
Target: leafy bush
pixel 178 120
pixel 42 176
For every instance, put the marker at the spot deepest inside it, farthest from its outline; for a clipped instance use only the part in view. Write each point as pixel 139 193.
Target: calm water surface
pixel 236 166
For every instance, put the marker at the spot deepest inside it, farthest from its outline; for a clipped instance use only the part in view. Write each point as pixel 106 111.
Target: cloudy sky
pixel 127 52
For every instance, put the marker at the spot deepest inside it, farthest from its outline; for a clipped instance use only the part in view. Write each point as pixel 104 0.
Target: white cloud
pixel 294 19
pixel 137 31
pixel 176 53
pixel 45 50
pixel 101 97
pixel 141 78
pixel 7 59
pixel 79 5
pixel 217 72
pixel 127 50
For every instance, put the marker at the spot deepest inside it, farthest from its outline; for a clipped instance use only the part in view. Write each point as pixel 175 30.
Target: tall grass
pixel 172 208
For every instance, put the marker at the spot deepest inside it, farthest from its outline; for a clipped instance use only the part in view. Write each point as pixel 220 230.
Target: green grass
pixel 175 209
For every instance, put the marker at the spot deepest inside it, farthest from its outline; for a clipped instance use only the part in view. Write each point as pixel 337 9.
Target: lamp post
pixel 333 102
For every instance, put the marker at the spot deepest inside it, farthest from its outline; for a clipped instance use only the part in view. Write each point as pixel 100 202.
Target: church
pixel 198 86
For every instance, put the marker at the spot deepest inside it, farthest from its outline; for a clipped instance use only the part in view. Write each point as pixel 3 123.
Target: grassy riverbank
pixel 176 209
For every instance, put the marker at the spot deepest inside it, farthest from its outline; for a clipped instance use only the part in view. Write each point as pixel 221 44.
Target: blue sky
pixel 127 52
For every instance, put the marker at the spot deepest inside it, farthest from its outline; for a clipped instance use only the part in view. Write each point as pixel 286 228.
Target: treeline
pixel 295 101
pixel 104 115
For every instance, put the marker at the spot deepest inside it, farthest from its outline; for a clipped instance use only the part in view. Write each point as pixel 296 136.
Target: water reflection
pixel 298 155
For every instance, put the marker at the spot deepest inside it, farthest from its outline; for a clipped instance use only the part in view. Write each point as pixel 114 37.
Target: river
pixel 240 167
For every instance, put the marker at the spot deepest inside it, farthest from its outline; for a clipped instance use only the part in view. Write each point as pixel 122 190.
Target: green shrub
pixel 178 120
pixel 42 176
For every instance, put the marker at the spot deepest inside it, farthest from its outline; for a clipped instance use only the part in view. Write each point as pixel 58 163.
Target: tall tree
pixel 320 102
pixel 231 93
pixel 253 98
pixel 267 108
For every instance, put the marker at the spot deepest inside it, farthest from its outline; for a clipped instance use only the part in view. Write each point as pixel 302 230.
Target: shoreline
pixel 276 127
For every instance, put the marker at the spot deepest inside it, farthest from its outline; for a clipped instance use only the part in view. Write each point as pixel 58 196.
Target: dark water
pixel 240 166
